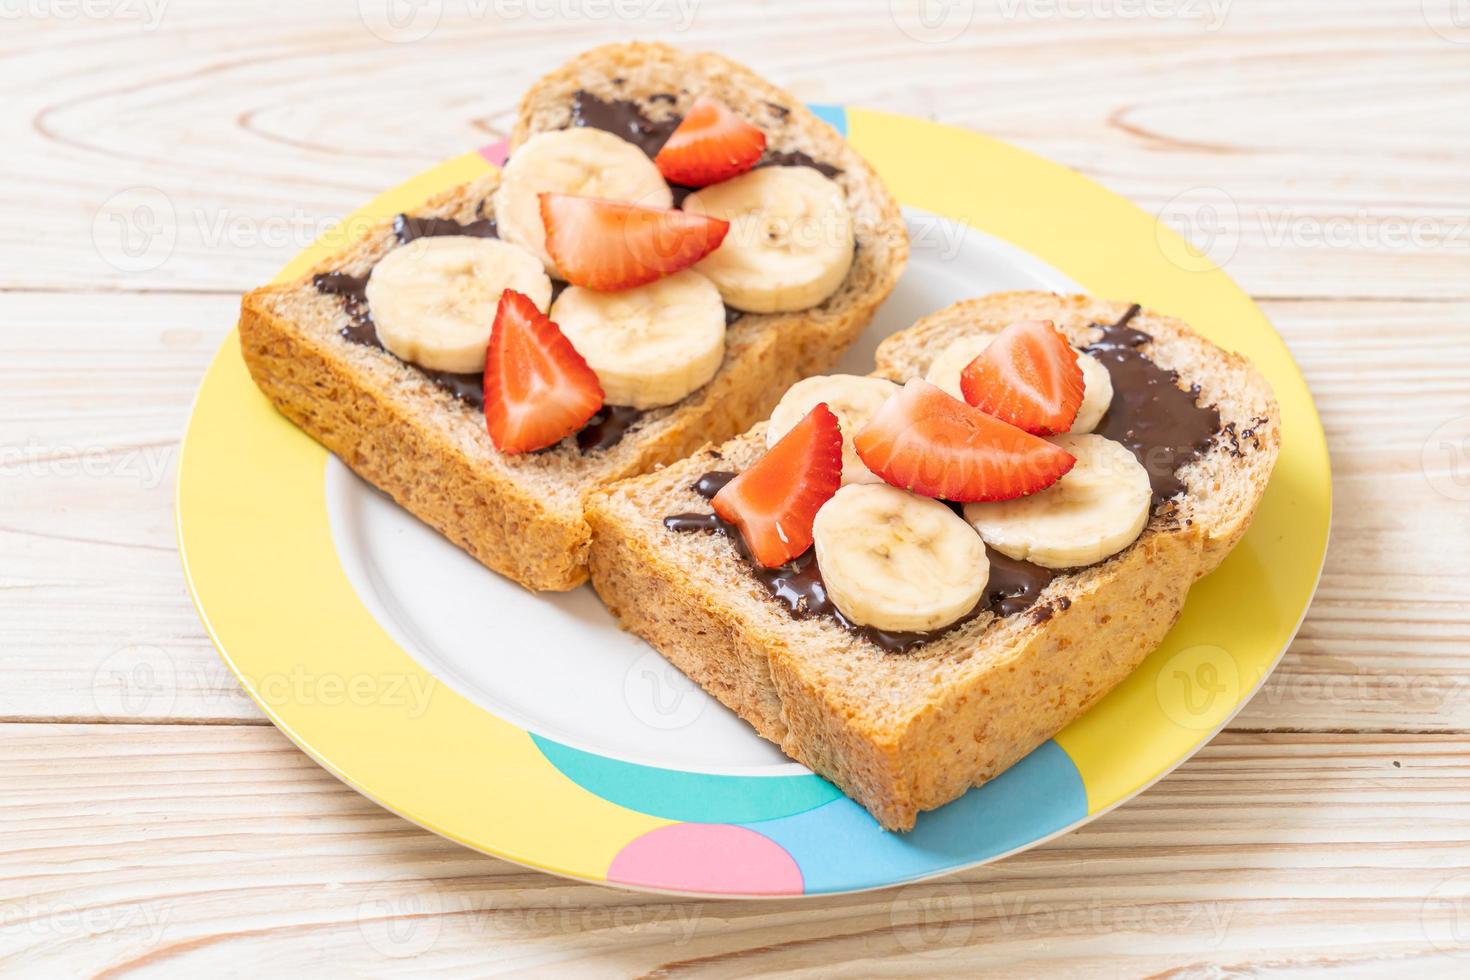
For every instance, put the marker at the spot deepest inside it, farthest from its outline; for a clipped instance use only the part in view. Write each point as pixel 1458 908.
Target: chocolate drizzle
pixel 603 431
pixel 360 329
pixel 624 118
pixel 1162 423
pixel 796 158
pixel 406 228
pixel 621 117
pixel 607 428
pixel 1150 414
pixel 799 588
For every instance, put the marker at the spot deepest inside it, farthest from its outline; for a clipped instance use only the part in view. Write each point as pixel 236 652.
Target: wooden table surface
pixel 152 821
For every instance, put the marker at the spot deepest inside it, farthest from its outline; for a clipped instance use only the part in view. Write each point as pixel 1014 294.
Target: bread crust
pixel 905 733
pixel 523 516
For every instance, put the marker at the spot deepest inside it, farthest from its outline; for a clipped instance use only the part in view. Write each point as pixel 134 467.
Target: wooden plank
pixel 132 849
pixel 248 134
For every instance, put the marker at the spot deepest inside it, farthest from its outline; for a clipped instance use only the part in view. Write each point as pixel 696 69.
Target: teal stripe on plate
pixel 695 797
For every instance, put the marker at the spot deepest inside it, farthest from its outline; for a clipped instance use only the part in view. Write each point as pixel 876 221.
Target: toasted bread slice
pixel 523 515
pixel 902 733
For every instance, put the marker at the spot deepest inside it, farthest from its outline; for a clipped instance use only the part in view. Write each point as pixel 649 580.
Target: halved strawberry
pixel 775 501
pixel 609 245
pixel 711 144
pixel 1029 377
pixel 927 441
pixel 538 389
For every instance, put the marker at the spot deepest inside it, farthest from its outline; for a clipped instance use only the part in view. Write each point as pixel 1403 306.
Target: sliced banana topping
pixel 897 561
pixel 790 242
pixel 944 372
pixel 582 161
pixel 651 345
pixel 433 300
pixel 851 397
pixel 1092 513
pixel 1097 393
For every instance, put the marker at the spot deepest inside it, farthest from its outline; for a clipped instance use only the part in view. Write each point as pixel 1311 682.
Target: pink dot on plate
pixel 707 857
pixel 496 152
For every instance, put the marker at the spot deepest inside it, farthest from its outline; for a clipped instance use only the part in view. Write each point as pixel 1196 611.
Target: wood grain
pixel 152 823
pixel 131 850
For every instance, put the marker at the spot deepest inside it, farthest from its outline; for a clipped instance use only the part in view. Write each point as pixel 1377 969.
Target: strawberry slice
pixel 711 144
pixel 774 502
pixel 1029 377
pixel 609 245
pixel 538 389
pixel 927 441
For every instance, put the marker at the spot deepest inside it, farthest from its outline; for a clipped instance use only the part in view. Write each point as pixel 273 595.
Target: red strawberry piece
pixel 924 440
pixel 1029 377
pixel 538 389
pixel 775 501
pixel 711 144
pixel 609 245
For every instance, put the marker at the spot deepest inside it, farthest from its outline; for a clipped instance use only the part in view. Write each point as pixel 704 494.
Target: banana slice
pixel 790 241
pixel 1092 513
pixel 434 299
pixel 583 161
pixel 944 372
pixel 651 345
pixel 851 397
pixel 897 561
pixel 1097 393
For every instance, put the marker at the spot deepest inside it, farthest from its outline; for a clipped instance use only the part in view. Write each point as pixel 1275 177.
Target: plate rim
pixel 423 182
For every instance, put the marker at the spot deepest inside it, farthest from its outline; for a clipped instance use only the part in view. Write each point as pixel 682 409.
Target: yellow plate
pixel 267 572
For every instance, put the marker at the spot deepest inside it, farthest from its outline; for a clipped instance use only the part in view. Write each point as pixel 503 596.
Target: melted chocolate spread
pixel 799 588
pixel 626 118
pixel 1150 414
pixel 603 431
pixel 617 116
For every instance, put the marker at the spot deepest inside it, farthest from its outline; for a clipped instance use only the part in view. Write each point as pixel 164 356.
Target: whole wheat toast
pixel 523 515
pixel 906 732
